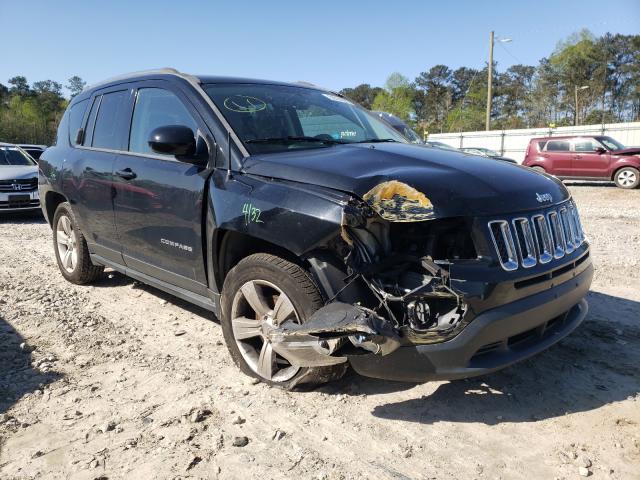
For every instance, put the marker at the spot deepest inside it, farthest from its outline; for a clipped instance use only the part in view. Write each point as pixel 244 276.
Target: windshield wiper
pixel 293 139
pixel 375 140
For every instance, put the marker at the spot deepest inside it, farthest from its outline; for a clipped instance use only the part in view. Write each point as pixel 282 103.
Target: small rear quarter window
pixel 76 115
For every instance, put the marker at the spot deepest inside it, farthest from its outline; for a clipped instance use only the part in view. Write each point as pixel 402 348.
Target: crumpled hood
pixel 456 184
pixel 627 151
pixel 17 172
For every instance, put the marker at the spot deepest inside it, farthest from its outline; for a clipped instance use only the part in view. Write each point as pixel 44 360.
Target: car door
pixel 159 199
pixel 558 152
pixel 587 160
pixel 89 183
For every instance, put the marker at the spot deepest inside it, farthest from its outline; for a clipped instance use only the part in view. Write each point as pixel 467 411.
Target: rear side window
pixel 558 146
pixel 76 114
pixel 91 122
pixel 156 107
pixel 108 128
pixel 541 145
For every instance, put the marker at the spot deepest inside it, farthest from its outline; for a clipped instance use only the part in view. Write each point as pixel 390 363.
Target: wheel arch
pixel 51 201
pixel 231 246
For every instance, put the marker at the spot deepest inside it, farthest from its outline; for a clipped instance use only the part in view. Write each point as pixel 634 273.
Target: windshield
pixel 276 118
pixel 14 156
pixel 610 143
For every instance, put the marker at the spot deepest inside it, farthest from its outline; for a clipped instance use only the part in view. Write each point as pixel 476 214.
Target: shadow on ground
pixel 594 366
pixel 587 183
pixel 116 279
pixel 17 376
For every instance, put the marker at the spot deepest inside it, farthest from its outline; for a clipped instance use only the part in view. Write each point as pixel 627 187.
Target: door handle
pixel 127 174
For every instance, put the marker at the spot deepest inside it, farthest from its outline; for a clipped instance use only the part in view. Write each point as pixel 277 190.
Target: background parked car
pixel 34 150
pixel 18 180
pixel 585 158
pixel 442 145
pixel 487 152
pixel 400 126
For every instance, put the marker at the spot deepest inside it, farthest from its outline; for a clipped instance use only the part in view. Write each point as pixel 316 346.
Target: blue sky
pixel 335 44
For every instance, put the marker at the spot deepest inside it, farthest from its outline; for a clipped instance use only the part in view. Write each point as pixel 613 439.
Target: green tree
pixel 433 98
pixel 396 98
pixel 75 85
pixel 30 114
pixel 19 85
pixel 363 94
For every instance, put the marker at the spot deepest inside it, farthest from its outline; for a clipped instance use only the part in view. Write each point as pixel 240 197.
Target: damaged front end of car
pixel 392 285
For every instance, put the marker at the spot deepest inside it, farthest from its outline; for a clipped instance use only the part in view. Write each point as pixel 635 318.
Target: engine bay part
pixel 397 257
pixel 402 254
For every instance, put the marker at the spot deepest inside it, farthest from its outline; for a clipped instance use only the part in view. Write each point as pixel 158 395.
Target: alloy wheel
pixel 67 243
pixel 260 306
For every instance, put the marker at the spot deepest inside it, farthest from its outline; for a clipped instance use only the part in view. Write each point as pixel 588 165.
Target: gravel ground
pixel 118 380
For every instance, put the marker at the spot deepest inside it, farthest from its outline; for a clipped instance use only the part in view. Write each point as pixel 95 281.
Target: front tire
pixel 71 248
pixel 627 177
pixel 265 289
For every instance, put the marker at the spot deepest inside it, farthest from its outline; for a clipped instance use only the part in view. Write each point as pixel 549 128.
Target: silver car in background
pixel 18 180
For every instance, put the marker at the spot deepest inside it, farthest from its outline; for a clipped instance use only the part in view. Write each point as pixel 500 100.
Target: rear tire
pixel 539 169
pixel 627 178
pixel 71 248
pixel 252 291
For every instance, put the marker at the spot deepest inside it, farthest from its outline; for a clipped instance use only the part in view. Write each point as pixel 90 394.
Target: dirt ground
pixel 119 380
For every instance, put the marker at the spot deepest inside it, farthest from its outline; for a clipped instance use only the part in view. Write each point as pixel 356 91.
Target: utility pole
pixel 489 83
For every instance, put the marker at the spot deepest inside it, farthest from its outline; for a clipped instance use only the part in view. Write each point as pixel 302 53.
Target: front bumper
pixel 19 201
pixel 495 339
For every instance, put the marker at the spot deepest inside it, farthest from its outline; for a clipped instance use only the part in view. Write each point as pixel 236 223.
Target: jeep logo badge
pixel 544 197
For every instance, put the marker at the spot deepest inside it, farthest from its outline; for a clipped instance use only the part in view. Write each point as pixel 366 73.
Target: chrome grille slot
pixel 559 241
pixel 525 243
pixel 568 231
pixel 503 242
pixel 575 217
pixel 543 238
pixel 528 240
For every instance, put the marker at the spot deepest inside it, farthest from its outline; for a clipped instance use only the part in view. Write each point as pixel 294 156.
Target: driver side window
pixel 156 107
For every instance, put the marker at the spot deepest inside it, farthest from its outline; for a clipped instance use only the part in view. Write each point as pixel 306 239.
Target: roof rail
pixel 166 71
pixel 195 82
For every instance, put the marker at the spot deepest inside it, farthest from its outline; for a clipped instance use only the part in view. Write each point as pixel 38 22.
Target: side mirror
pixel 600 150
pixel 173 140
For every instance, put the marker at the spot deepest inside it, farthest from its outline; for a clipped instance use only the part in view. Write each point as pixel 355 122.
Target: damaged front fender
pixel 332 334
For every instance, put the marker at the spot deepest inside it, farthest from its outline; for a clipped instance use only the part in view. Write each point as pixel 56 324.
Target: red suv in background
pixel 585 158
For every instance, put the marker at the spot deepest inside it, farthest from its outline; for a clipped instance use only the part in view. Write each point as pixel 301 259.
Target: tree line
pixel 31 113
pixel 604 72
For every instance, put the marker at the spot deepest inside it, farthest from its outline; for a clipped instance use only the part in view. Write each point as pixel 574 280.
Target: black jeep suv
pixel 313 230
